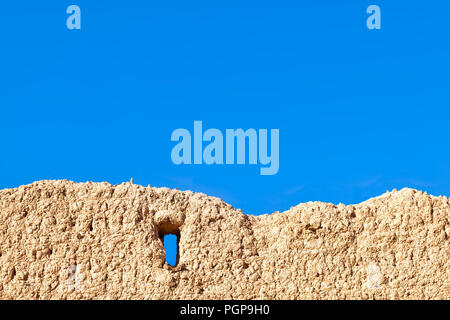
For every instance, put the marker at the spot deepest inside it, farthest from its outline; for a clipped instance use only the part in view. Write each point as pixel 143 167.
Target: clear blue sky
pixel 359 111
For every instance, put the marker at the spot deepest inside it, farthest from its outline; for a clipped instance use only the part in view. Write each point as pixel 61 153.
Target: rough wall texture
pixel 60 239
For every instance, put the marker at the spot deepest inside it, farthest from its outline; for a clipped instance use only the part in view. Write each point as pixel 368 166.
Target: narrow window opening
pixel 169 234
pixel 171 247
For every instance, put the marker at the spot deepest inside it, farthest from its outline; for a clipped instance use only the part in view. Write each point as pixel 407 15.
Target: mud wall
pixel 60 239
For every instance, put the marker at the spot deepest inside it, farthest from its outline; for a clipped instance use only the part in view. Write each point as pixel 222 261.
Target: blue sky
pixel 359 111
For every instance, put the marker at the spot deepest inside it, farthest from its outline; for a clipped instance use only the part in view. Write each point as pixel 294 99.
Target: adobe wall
pixel 60 239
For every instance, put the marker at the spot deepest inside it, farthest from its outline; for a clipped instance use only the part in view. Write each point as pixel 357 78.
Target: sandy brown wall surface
pixel 60 239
